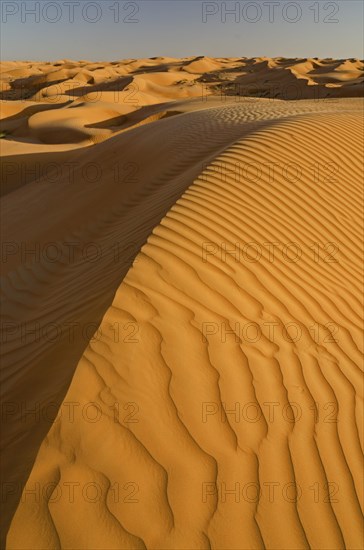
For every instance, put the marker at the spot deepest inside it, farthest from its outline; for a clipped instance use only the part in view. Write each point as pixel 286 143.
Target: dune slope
pixel 219 404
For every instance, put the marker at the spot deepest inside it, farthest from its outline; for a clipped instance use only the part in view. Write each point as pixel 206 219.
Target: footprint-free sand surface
pixel 182 304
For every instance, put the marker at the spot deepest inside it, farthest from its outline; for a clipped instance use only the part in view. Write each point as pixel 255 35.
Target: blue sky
pixel 118 29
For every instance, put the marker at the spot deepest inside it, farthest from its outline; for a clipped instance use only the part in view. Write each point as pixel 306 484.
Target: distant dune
pixel 182 307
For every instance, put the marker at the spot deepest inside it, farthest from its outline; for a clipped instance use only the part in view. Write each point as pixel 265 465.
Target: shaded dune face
pixel 219 405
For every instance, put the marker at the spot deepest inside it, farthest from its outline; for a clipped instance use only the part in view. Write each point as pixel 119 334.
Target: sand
pixel 182 304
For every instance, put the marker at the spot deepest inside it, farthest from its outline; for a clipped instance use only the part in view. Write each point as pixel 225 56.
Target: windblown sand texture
pixel 216 399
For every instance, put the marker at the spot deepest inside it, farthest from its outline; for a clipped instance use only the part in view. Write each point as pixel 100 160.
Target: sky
pixel 107 30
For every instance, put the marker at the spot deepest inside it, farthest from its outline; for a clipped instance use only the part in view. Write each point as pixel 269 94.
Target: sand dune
pixel 103 92
pixel 215 398
pixel 22 80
